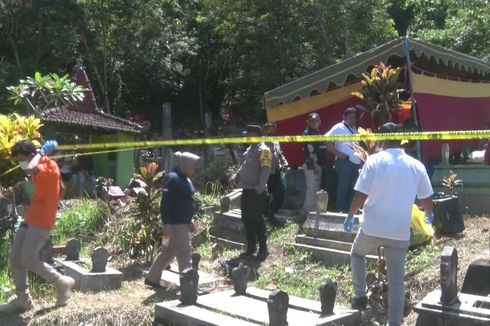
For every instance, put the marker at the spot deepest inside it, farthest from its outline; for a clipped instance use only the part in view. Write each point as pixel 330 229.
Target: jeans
pixel 313 180
pixel 178 246
pixel 25 255
pixel 395 252
pixel 347 174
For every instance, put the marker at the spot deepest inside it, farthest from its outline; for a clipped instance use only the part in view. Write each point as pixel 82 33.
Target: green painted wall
pixel 125 162
pixel 118 166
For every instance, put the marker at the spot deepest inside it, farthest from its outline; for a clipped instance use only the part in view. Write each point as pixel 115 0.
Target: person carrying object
pixel 386 188
pixel 177 209
pixel 32 234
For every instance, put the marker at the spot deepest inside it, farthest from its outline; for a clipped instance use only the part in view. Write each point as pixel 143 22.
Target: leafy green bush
pixel 6 284
pixel 141 233
pixel 82 221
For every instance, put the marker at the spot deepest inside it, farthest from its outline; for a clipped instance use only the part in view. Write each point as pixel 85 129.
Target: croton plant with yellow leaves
pixel 14 128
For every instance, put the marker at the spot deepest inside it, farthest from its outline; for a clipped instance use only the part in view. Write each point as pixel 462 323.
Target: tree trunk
pixel 94 67
pixel 16 51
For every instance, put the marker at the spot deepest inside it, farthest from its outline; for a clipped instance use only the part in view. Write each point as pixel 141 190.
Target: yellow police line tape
pixel 57 157
pixel 413 136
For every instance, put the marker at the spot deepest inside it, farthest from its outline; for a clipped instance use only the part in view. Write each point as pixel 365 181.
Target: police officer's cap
pixel 390 127
pixel 269 125
pixel 253 129
pixel 314 116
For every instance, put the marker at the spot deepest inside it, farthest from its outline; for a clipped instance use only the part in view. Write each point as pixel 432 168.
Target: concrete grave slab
pixel 467 310
pixel 111 279
pixel 325 238
pixel 226 308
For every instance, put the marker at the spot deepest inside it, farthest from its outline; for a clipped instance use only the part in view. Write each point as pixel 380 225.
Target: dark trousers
pixel 252 206
pixel 276 195
pixel 347 174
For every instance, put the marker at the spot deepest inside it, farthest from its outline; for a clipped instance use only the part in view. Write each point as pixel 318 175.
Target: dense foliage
pixel 214 55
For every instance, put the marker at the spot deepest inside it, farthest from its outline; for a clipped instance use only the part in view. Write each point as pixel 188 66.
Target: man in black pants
pixel 252 177
pixel 274 184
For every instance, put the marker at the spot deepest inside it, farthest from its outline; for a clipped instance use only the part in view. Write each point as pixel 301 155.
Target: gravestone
pixel 72 249
pixel 196 258
pixel 477 278
pixel 277 305
pixel 99 260
pixel 99 278
pixel 227 227
pixel 328 292
pixel 449 275
pixel 47 252
pixel 189 280
pixel 446 307
pixel 240 276
pixel 323 235
pixel 321 201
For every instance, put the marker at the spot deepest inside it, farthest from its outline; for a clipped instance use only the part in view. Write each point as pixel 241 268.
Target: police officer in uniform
pixel 274 184
pixel 314 161
pixel 252 177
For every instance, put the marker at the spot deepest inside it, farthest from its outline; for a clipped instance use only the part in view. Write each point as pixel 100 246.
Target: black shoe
pixel 360 303
pixel 262 255
pixel 154 285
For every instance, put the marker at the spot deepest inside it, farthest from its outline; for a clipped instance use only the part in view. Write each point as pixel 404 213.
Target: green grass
pixel 422 256
pixel 296 274
pixel 83 221
pixel 6 284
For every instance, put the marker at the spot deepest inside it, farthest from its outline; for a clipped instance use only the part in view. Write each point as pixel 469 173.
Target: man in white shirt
pixel 347 162
pixel 387 187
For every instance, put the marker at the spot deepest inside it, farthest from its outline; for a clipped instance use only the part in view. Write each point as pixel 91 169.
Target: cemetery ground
pixel 286 268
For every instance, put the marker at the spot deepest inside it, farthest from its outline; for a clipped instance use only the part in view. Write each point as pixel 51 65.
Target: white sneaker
pixel 23 302
pixel 63 287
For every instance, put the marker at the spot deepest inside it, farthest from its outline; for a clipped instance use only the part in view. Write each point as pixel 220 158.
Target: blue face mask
pixel 23 165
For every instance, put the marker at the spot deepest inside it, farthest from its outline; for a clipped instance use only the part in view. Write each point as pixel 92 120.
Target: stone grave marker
pixel 240 276
pixel 189 280
pixel 47 252
pixel 328 292
pixel 321 201
pixel 449 275
pixel 277 305
pixel 99 260
pixel 99 278
pixel 72 249
pixel 196 258
pixel 447 307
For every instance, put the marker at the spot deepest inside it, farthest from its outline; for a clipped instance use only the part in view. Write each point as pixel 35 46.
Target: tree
pixel 44 92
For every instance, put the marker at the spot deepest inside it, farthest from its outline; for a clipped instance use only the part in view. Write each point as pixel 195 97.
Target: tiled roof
pixel 96 120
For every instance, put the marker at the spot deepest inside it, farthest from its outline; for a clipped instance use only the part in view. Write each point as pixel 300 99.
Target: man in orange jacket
pixel 32 234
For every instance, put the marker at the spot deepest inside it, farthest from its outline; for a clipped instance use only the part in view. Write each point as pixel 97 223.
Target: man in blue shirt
pixel 177 209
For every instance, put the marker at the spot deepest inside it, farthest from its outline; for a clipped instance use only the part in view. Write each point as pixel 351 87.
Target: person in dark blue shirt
pixel 177 210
